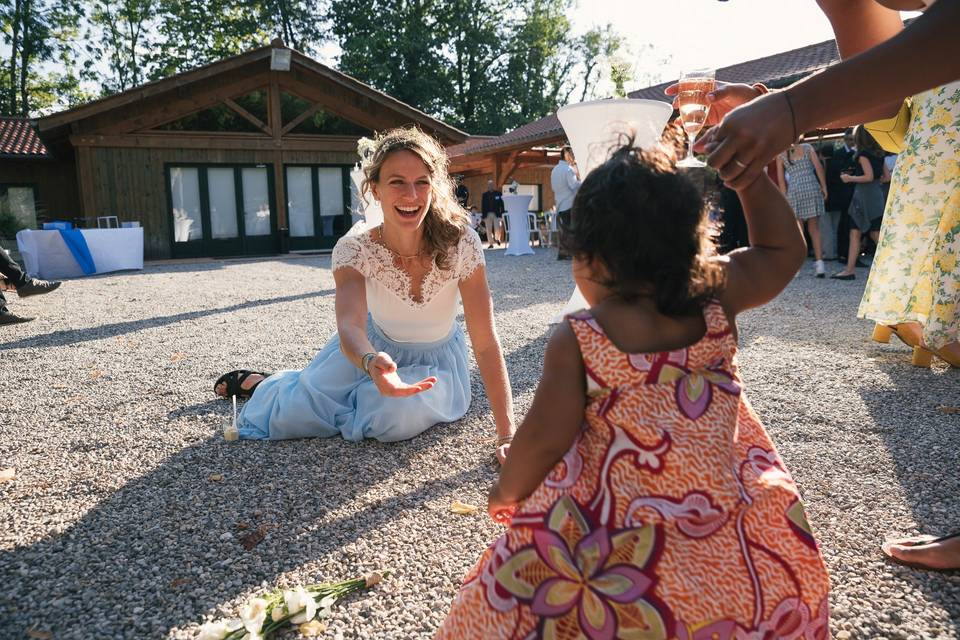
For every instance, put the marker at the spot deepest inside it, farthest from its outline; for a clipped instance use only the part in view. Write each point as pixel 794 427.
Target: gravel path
pixel 116 525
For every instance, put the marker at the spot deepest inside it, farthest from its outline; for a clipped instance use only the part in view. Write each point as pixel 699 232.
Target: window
pixel 20 202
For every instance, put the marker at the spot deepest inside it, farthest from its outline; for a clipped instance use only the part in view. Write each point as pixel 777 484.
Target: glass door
pixel 316 209
pixel 187 217
pixel 301 209
pixel 259 222
pixel 224 225
pixel 222 210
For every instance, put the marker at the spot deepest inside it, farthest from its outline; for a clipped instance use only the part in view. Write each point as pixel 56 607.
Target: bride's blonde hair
pixel 446 220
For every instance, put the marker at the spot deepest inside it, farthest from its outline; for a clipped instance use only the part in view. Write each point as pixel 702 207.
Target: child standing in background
pixel 644 497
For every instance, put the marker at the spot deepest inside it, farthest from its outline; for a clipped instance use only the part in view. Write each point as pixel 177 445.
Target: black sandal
pixel 234 381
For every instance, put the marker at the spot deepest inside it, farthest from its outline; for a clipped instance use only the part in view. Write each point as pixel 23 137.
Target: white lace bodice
pixel 388 286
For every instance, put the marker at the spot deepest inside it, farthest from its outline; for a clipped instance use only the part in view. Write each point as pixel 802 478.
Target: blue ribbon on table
pixel 78 247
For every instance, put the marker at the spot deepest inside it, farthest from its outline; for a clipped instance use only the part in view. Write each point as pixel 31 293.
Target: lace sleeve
pixel 471 254
pixel 348 253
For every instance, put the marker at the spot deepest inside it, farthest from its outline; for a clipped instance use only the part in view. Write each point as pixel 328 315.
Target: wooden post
pixel 276 127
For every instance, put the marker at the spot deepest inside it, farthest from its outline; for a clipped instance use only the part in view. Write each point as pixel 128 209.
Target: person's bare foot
pixel 925 552
pixel 249 383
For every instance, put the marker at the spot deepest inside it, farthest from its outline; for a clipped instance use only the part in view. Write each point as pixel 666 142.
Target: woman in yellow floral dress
pixel 914 285
pixel 645 499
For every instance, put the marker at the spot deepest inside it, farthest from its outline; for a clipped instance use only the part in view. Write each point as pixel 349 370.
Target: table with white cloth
pixel 517 214
pixel 46 255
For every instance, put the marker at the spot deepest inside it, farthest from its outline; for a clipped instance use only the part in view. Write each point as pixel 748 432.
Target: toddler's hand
pixel 501 511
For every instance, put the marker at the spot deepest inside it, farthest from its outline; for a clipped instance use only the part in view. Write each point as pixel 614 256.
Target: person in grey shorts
pixel 802 180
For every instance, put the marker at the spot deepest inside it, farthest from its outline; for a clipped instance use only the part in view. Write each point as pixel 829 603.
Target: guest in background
pixel 806 189
pixel 565 182
pixel 839 193
pixel 866 209
pixel 733 235
pixel 462 192
pixel 491 206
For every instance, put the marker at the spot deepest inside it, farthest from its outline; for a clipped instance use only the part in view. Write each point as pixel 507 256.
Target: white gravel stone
pixel 112 527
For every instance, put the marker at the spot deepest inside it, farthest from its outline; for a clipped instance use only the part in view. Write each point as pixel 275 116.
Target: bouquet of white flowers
pixel 261 617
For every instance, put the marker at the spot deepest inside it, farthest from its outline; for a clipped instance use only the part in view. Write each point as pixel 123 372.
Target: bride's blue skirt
pixel 332 397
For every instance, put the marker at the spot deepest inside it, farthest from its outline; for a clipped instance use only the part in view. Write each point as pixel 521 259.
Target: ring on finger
pixel 739 164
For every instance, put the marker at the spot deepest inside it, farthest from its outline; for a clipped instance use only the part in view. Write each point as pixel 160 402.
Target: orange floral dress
pixel 671 516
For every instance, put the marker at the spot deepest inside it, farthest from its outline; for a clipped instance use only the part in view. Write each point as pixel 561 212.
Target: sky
pixel 698 33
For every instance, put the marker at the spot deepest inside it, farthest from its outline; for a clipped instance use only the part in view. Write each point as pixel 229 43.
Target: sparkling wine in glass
pixel 692 92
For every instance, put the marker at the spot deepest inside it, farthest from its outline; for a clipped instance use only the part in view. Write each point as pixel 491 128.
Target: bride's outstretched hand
pixel 383 371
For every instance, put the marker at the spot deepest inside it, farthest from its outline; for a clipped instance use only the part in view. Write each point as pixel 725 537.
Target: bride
pixel 398 363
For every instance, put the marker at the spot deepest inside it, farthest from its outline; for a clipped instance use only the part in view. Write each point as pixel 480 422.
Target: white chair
pixel 505 222
pixel 534 228
pixel 552 230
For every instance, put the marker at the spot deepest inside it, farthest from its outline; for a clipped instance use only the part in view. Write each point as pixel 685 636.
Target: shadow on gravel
pixel 923 442
pixel 73 336
pixel 166 548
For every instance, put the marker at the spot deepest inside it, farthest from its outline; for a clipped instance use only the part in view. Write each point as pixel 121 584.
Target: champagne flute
pixel 692 92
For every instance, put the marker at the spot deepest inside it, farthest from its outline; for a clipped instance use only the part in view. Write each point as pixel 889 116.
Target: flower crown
pixel 366 147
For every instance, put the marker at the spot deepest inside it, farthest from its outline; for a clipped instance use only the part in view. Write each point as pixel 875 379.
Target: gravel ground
pixel 116 525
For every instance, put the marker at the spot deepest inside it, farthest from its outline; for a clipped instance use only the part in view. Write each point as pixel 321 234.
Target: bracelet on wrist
pixel 502 440
pixel 365 361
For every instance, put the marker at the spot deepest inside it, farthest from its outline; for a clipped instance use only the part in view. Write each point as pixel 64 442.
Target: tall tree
pixel 475 32
pixel 394 45
pixel 118 35
pixel 33 29
pixel 597 47
pixel 542 59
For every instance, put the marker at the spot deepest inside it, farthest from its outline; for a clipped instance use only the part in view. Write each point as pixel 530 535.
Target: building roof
pixel 57 123
pixel 18 139
pixel 777 70
pixel 537 132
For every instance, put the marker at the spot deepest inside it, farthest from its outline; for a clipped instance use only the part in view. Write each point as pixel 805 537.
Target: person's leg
pixel 925 552
pixel 488 221
pixel 11 270
pixel 26 286
pixel 852 252
pixel 7 316
pixel 813 226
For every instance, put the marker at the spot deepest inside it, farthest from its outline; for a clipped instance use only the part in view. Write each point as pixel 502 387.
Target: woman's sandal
pixel 234 381
pixel 912 542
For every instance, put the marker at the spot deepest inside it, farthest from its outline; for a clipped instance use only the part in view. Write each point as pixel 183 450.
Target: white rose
pixel 301 603
pixel 253 614
pixel 213 631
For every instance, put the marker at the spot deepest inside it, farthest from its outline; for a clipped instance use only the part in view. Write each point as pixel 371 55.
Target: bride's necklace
pixel 384 243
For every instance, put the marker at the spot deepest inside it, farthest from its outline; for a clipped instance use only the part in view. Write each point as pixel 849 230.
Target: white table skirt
pixel 46 255
pixel 517 213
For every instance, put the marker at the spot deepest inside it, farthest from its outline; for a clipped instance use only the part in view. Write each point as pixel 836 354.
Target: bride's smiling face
pixel 403 189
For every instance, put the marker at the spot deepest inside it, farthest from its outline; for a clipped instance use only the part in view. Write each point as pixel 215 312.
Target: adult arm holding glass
pixel 924 55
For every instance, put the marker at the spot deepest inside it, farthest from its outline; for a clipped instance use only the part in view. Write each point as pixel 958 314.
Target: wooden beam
pixel 316 106
pixel 154 114
pixel 509 166
pixel 354 108
pixel 240 141
pixel 252 119
pixel 139 94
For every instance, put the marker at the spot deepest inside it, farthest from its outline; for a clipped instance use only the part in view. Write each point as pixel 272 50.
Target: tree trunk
pixel 14 52
pixel 26 52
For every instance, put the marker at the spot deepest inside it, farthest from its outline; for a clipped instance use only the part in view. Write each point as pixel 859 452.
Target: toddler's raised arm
pixel 756 274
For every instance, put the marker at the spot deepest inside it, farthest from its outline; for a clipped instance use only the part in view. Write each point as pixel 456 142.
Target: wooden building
pixel 249 155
